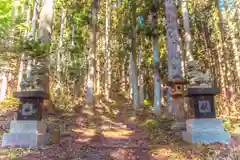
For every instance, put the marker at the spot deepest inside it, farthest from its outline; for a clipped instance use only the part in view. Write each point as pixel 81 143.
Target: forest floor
pixel 109 132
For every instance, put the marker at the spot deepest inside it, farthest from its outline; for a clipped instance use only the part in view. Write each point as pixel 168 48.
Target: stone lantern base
pixel 26 134
pixel 207 130
pixel 28 130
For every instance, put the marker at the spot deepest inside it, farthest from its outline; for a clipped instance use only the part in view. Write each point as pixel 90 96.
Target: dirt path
pixel 103 134
pixel 95 136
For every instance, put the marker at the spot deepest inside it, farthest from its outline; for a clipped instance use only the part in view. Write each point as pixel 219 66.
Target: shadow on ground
pixel 108 132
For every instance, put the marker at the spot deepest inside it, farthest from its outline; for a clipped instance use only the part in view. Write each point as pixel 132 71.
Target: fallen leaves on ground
pixel 102 134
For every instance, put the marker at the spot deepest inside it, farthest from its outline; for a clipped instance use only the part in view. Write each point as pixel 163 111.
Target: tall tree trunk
pixel 90 98
pixel 20 73
pixel 107 50
pixel 187 35
pixel 4 85
pixel 35 19
pixel 28 18
pixel 208 47
pixel 133 62
pixel 45 22
pixel 15 14
pixel 11 41
pixel 169 100
pixel 73 34
pixel 80 77
pixel 59 54
pixel 98 65
pixel 123 74
pixel 130 81
pixel 156 61
pixel 140 77
pixel 223 53
pixel 10 84
pixel 234 42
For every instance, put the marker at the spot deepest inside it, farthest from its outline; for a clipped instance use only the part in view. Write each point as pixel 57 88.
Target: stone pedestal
pixel 31 104
pixel 26 133
pixel 178 114
pixel 28 130
pixel 202 102
pixel 207 130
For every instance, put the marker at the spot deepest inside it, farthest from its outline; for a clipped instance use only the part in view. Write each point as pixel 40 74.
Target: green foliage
pixel 150 124
pixel 82 18
pixel 165 124
pixel 147 102
pixel 9 103
pixel 227 124
pixel 34 48
pixel 145 30
pixel 125 29
pixel 5 16
pixel 231 125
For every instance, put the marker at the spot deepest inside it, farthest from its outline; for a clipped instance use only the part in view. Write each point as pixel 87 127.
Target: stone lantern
pixel 29 130
pixel 204 127
pixel 178 112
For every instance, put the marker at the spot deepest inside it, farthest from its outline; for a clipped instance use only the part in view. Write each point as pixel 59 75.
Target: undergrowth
pixel 164 140
pixel 9 103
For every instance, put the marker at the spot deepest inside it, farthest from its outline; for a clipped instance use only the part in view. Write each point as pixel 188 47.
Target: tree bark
pixel 187 35
pixel 107 51
pixel 156 61
pixel 140 77
pixel 223 53
pixel 133 61
pixel 34 19
pixel 90 98
pixel 4 85
pixel 59 54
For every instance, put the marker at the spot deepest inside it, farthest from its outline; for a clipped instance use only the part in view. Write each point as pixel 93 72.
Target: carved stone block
pixel 30 107
pixel 205 131
pixel 201 100
pixel 26 134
